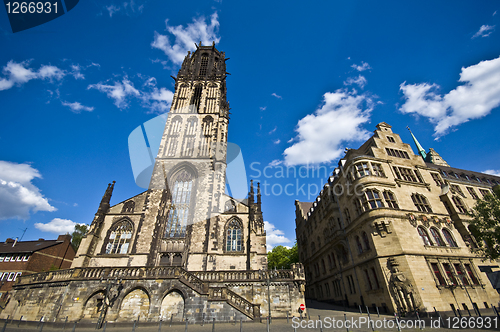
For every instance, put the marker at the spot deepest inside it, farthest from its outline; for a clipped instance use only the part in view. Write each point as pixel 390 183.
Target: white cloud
pixel 275 163
pixel 76 107
pixel 277 96
pixel 18 196
pixel 278 141
pixel 119 92
pixel 274 236
pixel 364 66
pixel 360 81
pixel 157 100
pixel 492 172
pixel 272 131
pixel 50 72
pixel 479 94
pixel 187 37
pixel 58 226
pixel 112 9
pixel 76 72
pixel 320 136
pixel 263 108
pixel 484 31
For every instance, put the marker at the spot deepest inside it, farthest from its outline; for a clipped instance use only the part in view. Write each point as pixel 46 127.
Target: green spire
pixel 419 147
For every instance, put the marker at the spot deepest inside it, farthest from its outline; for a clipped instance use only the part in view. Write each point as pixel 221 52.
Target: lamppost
pixel 266 274
pixel 107 300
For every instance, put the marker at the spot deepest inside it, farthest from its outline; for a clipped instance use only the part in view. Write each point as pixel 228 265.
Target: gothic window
pixel 371 199
pixel 484 192
pixel 437 273
pixel 204 64
pixel 459 204
pixel 378 170
pixel 119 238
pixel 234 236
pixel 369 282
pixel 421 203
pixel 377 285
pixel 407 174
pixel 196 99
pixel 390 200
pixel 347 216
pixel 425 237
pixel 181 199
pixel 391 139
pixel 449 238
pixel 345 258
pixel 472 193
pixel 358 244
pixel 128 207
pixel 357 205
pixel 436 237
pixel 397 153
pixel 456 190
pixel 230 206
pixel 366 242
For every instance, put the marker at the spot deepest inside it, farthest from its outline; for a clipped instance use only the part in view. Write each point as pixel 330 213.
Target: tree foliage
pixel 77 235
pixel 485 225
pixel 282 258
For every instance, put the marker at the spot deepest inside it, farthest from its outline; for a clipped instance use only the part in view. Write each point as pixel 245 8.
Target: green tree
pixel 282 257
pixel 485 225
pixel 77 235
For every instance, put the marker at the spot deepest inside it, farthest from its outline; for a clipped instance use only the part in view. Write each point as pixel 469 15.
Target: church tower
pixel 185 217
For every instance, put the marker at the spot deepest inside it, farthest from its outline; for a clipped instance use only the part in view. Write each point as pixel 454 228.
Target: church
pixel 390 230
pixel 183 250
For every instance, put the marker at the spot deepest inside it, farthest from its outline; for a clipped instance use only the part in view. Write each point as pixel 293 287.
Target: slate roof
pixel 26 246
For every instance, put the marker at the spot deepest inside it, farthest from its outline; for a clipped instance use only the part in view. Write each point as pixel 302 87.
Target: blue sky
pixel 306 81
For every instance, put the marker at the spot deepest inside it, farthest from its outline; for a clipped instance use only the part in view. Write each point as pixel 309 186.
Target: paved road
pixel 329 314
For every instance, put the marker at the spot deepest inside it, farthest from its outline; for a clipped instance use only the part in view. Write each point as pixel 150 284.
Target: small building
pixel 25 257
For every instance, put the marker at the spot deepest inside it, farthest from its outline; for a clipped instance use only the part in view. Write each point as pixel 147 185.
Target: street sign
pixel 302 306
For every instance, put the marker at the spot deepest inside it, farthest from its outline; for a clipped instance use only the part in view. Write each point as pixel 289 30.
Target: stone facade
pixel 183 249
pixel 390 229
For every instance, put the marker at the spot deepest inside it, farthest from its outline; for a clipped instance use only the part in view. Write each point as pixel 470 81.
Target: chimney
pixel 15 242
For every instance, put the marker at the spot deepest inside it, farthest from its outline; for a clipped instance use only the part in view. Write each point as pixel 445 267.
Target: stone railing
pixel 235 300
pixel 196 279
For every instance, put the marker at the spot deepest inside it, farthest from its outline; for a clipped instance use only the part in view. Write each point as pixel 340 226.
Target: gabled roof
pixel 26 247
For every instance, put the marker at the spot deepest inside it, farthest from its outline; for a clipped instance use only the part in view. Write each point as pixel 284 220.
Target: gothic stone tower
pixel 184 218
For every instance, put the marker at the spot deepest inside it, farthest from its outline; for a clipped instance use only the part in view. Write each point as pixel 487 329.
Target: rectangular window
pixel 2 257
pixel 17 275
pixel 368 281
pixel 391 139
pixel 455 189
pixel 377 285
pixel 484 192
pixel 362 170
pixel 437 273
pixel 472 193
pixel 26 257
pixel 19 258
pixel 407 174
pixel 378 170
pixel 461 274
pixel 449 273
pixel 437 179
pixel 397 153
pixel 4 276
pixel 11 276
pixel 471 274
pixel 7 258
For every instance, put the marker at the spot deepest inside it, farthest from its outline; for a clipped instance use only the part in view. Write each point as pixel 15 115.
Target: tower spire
pixel 420 149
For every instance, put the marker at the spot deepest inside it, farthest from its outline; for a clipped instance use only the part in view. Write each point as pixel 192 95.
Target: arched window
pixel 365 240
pixel 449 238
pixel 358 244
pixel 179 210
pixel 128 207
pixel 421 203
pixel 334 262
pixel 119 238
pixel 233 236
pixel 357 205
pixel 437 238
pixel 345 258
pixel 371 199
pixel 347 216
pixel 425 237
pixel 196 98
